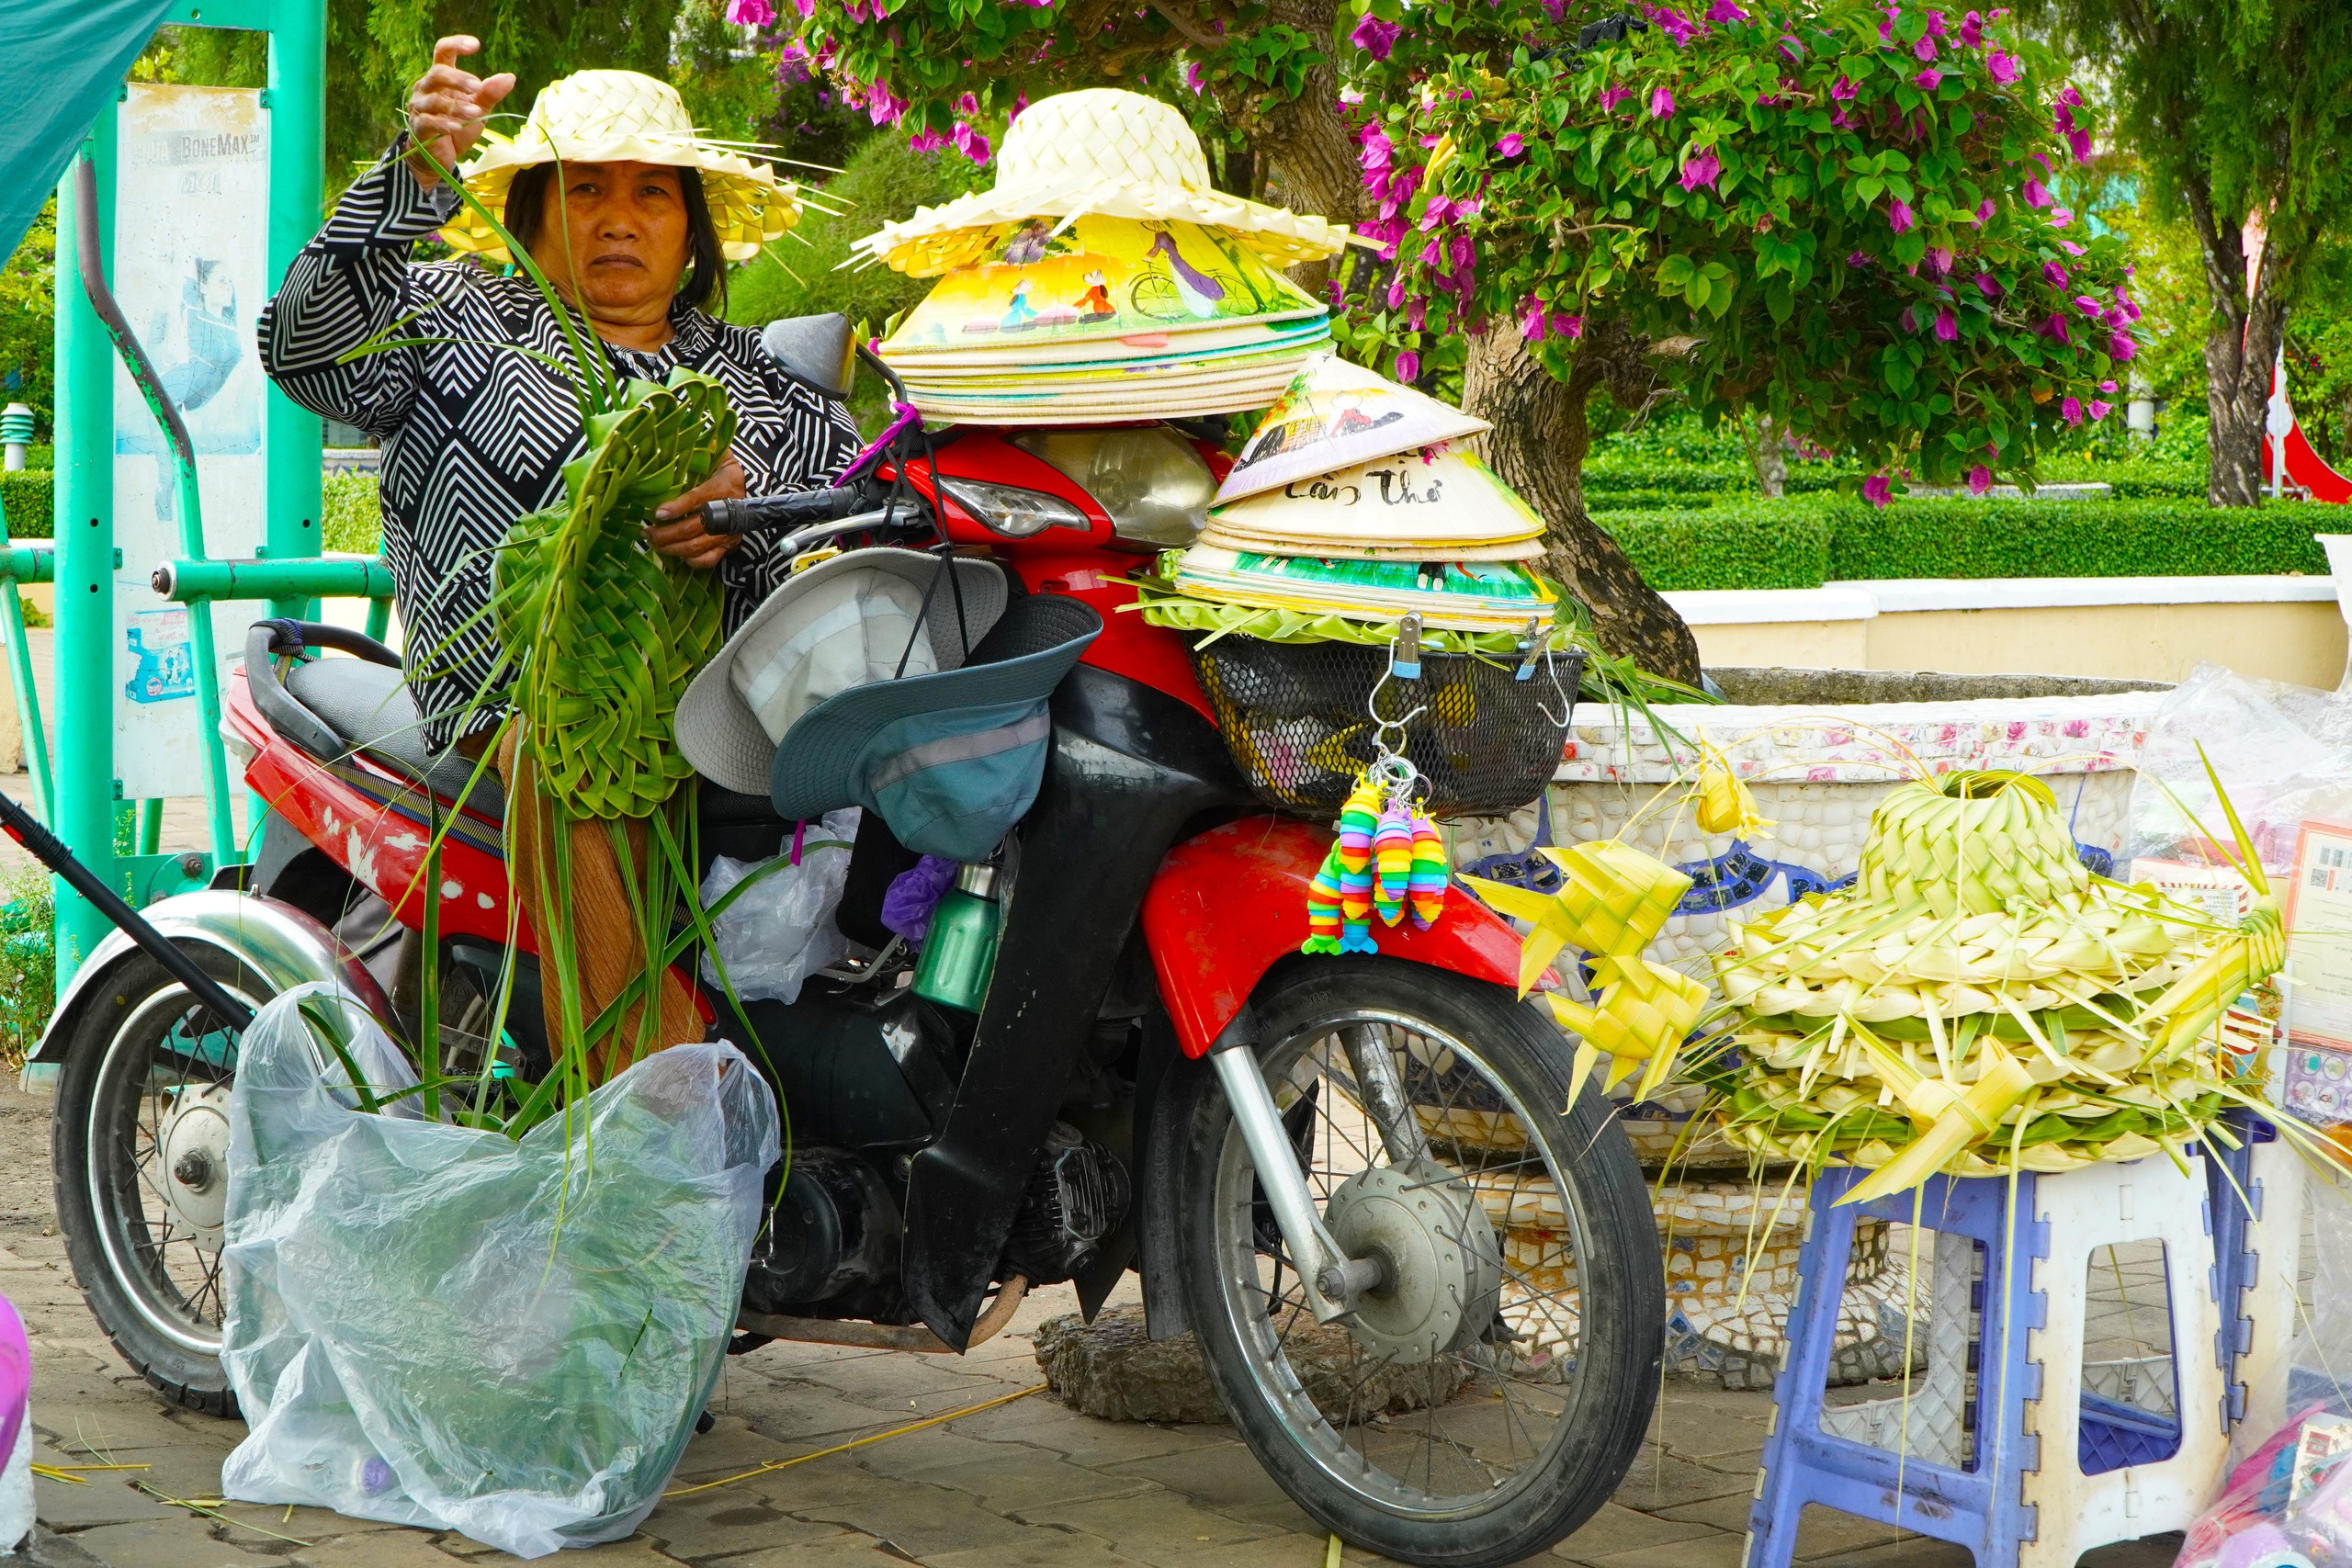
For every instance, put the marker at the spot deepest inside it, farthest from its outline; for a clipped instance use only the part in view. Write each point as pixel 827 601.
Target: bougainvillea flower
pixel 1701 170
pixel 2106 386
pixel 1939 260
pixel 1988 285
pixel 1927 81
pixel 1197 79
pixel 2062 216
pixel 1509 145
pixel 1842 119
pixel 1532 319
pixel 1672 23
pixel 1661 104
pixel 1936 26
pixel 1908 321
pixel 2036 194
pixel 2003 68
pixel 1725 11
pixel 2079 140
pixel 968 105
pixel 1416 314
pixel 1857 259
pixel 2089 307
pixel 1877 491
pixel 1375 37
pixel 751 13
pixel 1568 326
pixel 2099 410
pixel 1980 478
pixel 1899 216
pixel 1408 366
pixel 1926 48
pixel 971 144
pixel 2055 327
pixel 2071 248
pixel 1612 96
pixel 2071 411
pixel 2070 96
pixel 2120 346
pixel 1842 89
pixel 925 141
pixel 1947 324
pixel 1791 49
pixel 2054 275
pixel 1984 210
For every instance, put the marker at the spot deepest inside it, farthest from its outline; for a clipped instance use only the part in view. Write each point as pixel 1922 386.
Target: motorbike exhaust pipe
pixel 45 847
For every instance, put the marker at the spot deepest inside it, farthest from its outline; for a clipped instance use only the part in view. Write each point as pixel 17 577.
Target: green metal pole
pixel 150 828
pixel 297 101
pixel 380 617
pixel 84 527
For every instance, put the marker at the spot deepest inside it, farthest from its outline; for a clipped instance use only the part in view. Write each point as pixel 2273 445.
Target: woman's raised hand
pixel 447 106
pixel 677 527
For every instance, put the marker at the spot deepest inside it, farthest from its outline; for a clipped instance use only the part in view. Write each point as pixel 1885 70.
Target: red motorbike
pixel 1430 1300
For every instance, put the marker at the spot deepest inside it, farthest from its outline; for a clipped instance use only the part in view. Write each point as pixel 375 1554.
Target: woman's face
pixel 625 228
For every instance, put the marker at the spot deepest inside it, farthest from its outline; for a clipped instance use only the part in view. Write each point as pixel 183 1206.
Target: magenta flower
pixel 1877 491
pixel 1397 293
pixel 1661 104
pixel 1568 326
pixel 2054 328
pixel 1672 23
pixel 2099 410
pixel 1972 30
pixel 2071 411
pixel 1857 259
pixel 2071 248
pixel 968 105
pixel 1790 51
pixel 1843 119
pixel 2003 68
pixel 2124 306
pixel 1532 319
pixel 1908 321
pixel 1198 80
pixel 2120 346
pixel 1842 89
pixel 2070 96
pixel 2036 194
pixel 1725 11
pixel 1701 170
pixel 1980 478
pixel 1939 260
pixel 2061 216
pixel 1988 285
pixel 1926 48
pixel 751 13
pixel 1409 367
pixel 2053 274
pixel 1375 37
pixel 1899 217
pixel 1927 81
pixel 1936 26
pixel 971 144
pixel 2106 387
pixel 1416 314
pixel 1509 145
pixel 1947 324
pixel 925 141
pixel 1984 211
pixel 1612 96
pixel 2079 141
pixel 2089 307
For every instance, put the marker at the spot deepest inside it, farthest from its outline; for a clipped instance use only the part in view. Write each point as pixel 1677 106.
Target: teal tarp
pixel 61 62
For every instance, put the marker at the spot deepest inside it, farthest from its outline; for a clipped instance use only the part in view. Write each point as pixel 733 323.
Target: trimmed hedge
pixel 1804 541
pixel 1653 500
pixel 26 496
pixel 1670 479
pixel 349 520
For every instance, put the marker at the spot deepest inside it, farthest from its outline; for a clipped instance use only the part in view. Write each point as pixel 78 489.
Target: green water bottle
pixel 959 950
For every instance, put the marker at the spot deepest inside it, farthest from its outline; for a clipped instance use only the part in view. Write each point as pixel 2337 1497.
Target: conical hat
pixel 1494 596
pixel 1098 150
pixel 1337 415
pixel 1434 504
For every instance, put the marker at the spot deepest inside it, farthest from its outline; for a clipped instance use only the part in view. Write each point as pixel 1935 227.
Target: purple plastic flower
pixel 751 13
pixel 1980 478
pixel 1612 96
pixel 1842 89
pixel 1661 103
pixel 2071 411
pixel 1927 81
pixel 1899 217
pixel 2120 346
pixel 2099 410
pixel 1877 491
pixel 1409 367
pixel 1947 324
pixel 1509 145
pixel 2054 275
pixel 1375 37
pixel 1988 285
pixel 2036 194
pixel 1701 170
pixel 2003 68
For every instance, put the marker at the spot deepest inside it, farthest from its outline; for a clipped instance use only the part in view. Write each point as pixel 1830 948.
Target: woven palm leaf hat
pixel 603 117
pixel 1101 151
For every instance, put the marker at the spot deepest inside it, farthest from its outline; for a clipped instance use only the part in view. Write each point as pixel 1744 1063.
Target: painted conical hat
pixel 1434 504
pixel 1337 415
pixel 1476 596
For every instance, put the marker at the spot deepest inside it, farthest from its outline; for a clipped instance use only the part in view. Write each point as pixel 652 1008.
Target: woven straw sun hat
pixel 1103 151
pixel 603 117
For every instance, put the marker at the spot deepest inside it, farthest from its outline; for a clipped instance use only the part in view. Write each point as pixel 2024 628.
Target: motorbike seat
pixel 370 706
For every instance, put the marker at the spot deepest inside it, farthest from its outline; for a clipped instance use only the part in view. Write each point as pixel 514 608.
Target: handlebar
pixel 772 514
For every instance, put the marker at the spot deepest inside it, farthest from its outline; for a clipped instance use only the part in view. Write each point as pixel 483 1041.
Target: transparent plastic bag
pixel 438 1325
pixel 2283 752
pixel 781 931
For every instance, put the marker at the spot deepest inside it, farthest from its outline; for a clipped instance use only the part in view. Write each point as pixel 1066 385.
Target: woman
pixel 636 236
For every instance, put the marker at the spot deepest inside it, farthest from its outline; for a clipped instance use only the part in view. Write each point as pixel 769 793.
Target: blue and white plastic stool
pixel 2009 1444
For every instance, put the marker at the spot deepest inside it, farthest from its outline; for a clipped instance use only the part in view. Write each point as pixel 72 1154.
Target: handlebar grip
pixel 768 514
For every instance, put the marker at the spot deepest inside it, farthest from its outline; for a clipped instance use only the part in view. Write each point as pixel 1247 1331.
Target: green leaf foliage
pixel 1804 541
pixel 349 520
pixel 26 496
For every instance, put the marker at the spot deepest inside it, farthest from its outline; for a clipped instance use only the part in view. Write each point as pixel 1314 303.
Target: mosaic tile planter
pixel 1818 760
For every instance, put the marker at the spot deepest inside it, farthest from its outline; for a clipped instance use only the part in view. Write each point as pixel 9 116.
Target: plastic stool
pixel 2010 1445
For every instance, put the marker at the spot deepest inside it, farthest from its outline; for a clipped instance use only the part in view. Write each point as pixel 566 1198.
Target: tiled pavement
pixel 1028 1485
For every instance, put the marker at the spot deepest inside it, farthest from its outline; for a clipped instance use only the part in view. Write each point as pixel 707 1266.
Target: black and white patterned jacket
pixel 475 435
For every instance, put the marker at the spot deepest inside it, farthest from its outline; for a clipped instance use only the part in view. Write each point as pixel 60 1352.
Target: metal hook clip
pixel 1405 652
pixel 1567 712
pixel 1530 647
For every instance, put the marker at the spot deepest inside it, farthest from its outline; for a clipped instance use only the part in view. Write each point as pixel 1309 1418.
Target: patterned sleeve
pixel 812 439
pixel 351 281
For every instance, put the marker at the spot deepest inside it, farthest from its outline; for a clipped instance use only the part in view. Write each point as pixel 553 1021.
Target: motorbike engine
pixel 832 1237
pixel 1077 1196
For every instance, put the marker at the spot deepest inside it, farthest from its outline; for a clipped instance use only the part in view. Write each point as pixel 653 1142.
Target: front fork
pixel 1331 1279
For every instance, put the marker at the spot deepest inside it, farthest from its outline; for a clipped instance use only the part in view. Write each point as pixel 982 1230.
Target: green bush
pixel 1753 543
pixel 25 495
pixel 350 520
pixel 27 963
pixel 1803 541
pixel 1674 478
pixel 1599 501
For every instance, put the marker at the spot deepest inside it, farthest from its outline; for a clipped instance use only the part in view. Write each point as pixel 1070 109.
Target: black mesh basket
pixel 1296 717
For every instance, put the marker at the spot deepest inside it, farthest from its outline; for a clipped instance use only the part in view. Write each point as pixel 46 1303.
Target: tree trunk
pixel 1768 453
pixel 1538 447
pixel 2242 337
pixel 1305 147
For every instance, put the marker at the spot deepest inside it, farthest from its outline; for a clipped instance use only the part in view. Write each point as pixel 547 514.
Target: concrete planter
pixel 1820 748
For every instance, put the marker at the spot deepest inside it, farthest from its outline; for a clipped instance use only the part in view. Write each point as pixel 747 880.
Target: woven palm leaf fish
pixel 606 631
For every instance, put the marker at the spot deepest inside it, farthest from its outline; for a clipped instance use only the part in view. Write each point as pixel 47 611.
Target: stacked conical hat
pixel 1103 279
pixel 1352 500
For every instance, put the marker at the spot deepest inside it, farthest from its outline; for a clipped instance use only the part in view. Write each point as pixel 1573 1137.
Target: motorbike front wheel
pixel 1488 1396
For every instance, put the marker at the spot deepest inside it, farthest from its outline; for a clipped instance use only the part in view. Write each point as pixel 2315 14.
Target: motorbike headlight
pixel 1151 482
pixel 1012 512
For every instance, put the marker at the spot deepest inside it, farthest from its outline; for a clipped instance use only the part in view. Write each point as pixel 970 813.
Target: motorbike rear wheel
pixel 140 1157
pixel 1491 1393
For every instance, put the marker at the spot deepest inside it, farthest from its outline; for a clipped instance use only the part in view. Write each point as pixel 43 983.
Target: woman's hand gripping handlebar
pixel 809 516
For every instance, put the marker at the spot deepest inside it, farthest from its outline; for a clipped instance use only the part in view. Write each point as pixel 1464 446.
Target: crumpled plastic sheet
pixel 2283 752
pixel 781 930
pixel 438 1325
